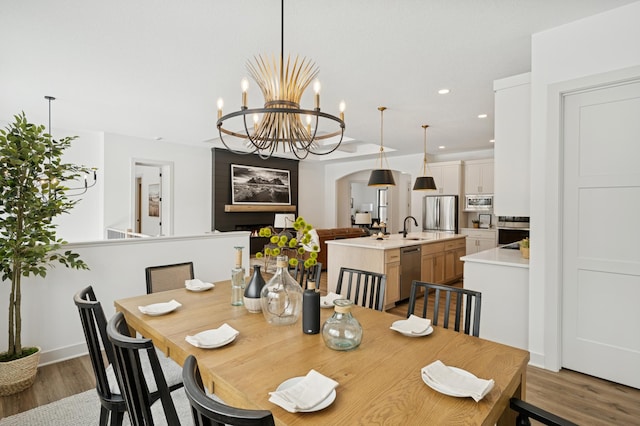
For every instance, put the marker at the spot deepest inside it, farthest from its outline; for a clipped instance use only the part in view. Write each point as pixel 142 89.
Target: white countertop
pixel 395 240
pixel 498 256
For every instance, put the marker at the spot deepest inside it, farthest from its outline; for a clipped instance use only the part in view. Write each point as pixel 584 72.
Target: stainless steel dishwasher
pixel 410 269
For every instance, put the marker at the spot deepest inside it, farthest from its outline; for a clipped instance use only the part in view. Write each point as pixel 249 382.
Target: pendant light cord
pixel 424 163
pixel 381 134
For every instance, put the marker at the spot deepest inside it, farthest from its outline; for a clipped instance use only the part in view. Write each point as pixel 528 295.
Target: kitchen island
pixel 439 259
pixel 502 276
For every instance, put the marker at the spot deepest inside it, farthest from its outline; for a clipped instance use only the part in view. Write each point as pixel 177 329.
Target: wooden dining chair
pixel 468 300
pixel 168 277
pixel 209 412
pixel 363 288
pixel 305 275
pixel 136 381
pixel 526 411
pixel 94 325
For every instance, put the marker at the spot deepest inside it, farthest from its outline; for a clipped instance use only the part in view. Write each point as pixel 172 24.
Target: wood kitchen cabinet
pixel 452 251
pixel 441 261
pixel 392 269
pixel 478 177
pixel 480 239
pixel 432 265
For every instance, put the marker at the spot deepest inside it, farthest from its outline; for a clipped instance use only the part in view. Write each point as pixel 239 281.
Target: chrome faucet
pixel 404 225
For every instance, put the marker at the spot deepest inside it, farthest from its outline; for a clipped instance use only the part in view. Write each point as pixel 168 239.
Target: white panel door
pixel 601 234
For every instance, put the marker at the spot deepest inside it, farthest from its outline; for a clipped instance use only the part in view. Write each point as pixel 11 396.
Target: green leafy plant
pixel 285 243
pixel 32 194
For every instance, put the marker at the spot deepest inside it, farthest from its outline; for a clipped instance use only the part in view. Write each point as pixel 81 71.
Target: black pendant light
pixel 424 182
pixel 381 176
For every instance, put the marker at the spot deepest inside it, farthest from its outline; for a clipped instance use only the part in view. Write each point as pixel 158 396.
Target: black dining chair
pixel 306 275
pixel 466 299
pixel 209 412
pixel 526 411
pixel 94 325
pixel 168 277
pixel 136 381
pixel 363 288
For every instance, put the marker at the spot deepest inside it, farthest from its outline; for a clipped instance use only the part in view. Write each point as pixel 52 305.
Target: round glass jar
pixel 342 332
pixel 281 297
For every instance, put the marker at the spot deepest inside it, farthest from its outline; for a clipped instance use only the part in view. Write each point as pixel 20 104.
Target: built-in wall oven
pixel 512 229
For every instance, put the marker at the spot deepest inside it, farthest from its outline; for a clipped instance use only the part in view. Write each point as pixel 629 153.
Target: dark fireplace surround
pixel 252 221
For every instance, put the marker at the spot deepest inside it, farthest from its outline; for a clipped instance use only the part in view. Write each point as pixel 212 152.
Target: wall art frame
pixel 252 185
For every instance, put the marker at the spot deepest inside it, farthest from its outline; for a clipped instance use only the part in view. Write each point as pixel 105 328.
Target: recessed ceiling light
pixel 492 140
pixel 443 91
pixel 482 115
pixel 441 147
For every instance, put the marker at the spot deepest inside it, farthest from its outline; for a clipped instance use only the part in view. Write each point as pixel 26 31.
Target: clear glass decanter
pixel 342 332
pixel 281 297
pixel 237 280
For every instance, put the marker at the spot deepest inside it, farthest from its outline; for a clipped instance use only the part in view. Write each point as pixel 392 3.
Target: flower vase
pixel 281 297
pixel 252 291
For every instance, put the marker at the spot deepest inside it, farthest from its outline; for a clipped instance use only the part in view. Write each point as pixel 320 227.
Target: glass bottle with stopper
pixel 237 279
pixel 342 332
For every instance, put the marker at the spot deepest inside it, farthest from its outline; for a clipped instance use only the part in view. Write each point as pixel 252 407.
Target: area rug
pixel 84 409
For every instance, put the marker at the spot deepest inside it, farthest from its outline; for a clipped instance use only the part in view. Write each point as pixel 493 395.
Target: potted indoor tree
pixel 32 194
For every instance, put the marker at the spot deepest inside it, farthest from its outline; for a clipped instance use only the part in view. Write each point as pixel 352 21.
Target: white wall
pixel 191 190
pixel 598 44
pixel 85 221
pixel 49 316
pixel 312 194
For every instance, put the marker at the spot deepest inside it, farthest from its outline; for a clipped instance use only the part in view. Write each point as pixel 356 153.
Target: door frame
pixel 166 188
pixel 552 262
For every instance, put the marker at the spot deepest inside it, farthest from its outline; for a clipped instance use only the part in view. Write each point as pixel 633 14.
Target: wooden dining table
pixel 379 382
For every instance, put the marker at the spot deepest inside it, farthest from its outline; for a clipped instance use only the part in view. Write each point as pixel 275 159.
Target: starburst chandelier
pixel 281 125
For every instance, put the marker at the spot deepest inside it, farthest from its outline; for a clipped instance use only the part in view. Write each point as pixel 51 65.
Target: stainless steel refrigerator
pixel 440 213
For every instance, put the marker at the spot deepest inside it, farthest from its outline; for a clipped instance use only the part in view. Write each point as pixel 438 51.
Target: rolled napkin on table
pixel 306 394
pixel 197 285
pixel 160 308
pixel 213 338
pixel 413 325
pixel 452 381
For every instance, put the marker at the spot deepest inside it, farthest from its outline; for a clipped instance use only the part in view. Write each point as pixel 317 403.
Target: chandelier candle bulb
pixel 220 105
pixel 244 84
pixel 342 107
pixel 316 88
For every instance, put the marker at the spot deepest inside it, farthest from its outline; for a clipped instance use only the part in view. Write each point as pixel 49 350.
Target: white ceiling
pixel 151 68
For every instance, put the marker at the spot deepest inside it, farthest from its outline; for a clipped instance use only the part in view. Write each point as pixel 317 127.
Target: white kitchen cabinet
pixel 478 177
pixel 512 145
pixel 447 177
pixel 480 239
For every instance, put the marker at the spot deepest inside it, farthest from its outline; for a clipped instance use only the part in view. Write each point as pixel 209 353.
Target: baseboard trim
pixel 62 354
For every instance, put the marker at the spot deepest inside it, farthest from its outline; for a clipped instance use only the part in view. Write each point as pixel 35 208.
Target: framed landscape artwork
pixel 259 185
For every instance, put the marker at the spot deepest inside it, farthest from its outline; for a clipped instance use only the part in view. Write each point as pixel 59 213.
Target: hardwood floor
pixel 578 397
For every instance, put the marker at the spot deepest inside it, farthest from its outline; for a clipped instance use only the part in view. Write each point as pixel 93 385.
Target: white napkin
pixel 160 308
pixel 327 301
pixel 412 325
pixel 450 380
pixel 307 393
pixel 197 285
pixel 213 338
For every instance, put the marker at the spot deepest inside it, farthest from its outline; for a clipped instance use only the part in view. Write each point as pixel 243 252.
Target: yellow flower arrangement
pixel 294 247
